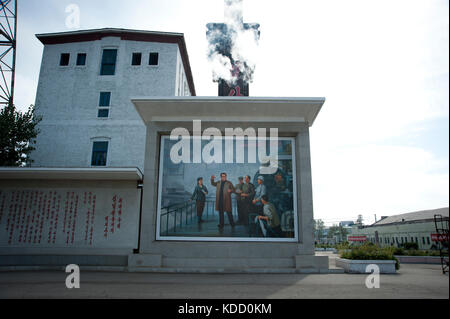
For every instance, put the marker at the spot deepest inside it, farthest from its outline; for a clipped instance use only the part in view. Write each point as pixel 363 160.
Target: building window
pixel 102 113
pixel 153 60
pixel 104 103
pixel 416 240
pixel 428 240
pixel 109 62
pixel 105 99
pixel 81 59
pixel 65 58
pixel 136 60
pixel 423 240
pixel 99 153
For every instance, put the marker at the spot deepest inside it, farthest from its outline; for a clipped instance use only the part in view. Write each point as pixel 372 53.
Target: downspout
pixel 140 185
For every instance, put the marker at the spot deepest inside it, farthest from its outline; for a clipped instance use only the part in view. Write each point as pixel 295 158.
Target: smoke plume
pixel 232 45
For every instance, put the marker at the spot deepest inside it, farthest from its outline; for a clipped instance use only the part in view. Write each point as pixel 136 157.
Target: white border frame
pixel 228 239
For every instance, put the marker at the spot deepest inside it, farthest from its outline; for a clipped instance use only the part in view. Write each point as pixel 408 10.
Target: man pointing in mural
pixel 224 189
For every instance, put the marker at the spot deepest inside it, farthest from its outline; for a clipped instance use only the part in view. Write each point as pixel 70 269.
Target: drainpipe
pixel 140 185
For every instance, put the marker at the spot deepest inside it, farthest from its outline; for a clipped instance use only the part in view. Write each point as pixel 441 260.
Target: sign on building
pixel 357 238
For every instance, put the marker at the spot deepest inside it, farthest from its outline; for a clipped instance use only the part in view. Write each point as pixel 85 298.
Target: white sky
pixel 379 145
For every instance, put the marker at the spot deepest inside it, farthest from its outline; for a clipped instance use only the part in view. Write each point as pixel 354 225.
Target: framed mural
pixel 227 200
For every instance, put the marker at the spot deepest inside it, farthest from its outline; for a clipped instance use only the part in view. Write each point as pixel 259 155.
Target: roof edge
pixel 71 173
pixel 104 30
pixel 318 100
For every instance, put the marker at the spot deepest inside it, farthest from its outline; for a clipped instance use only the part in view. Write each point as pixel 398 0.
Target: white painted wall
pixel 68 97
pixel 69 215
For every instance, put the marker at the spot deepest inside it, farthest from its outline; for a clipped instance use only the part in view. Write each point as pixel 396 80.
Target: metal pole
pixel 14 45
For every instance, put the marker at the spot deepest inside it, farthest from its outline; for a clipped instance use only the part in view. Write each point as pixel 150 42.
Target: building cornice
pixel 229 109
pixel 69 173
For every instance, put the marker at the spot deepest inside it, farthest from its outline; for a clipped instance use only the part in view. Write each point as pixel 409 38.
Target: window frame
pixel 61 59
pixel 104 107
pixel 78 57
pixel 100 109
pixel 140 58
pixel 157 59
pixel 108 147
pixel 100 99
pixel 102 61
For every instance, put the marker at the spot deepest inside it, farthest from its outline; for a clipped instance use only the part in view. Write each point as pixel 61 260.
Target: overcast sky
pixel 379 145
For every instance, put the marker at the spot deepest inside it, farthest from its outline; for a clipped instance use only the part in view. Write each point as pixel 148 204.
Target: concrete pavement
pixel 412 281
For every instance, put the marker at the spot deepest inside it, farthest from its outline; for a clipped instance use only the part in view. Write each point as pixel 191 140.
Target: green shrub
pixel 398 251
pixel 369 251
pixel 414 252
pixel 414 246
pixel 344 245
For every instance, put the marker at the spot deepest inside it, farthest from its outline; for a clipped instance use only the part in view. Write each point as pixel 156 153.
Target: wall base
pixel 297 264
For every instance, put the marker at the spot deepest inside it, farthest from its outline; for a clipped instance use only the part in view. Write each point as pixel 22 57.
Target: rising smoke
pixel 232 45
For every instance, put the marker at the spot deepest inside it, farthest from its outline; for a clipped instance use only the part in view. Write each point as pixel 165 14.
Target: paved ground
pixel 412 281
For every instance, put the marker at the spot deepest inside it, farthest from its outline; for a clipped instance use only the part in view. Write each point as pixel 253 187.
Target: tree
pixel 343 232
pixel 18 134
pixel 338 231
pixel 319 226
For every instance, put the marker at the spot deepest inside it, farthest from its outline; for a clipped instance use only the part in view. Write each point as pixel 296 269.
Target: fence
pixel 176 217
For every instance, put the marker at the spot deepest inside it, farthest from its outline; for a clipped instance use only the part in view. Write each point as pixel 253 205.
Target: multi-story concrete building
pixel 86 83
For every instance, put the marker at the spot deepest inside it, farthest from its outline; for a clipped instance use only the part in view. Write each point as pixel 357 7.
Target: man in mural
pixel 247 194
pixel 240 200
pixel 260 191
pixel 280 184
pixel 224 189
pixel 270 216
pixel 199 196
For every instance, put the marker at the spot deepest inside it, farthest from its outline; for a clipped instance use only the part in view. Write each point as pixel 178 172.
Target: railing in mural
pixel 175 217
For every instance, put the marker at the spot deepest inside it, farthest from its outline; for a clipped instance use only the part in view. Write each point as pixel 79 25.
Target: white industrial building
pixel 415 227
pixel 86 83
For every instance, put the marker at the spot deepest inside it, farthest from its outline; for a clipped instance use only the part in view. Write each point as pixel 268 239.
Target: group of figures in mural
pixel 193 200
pixel 249 200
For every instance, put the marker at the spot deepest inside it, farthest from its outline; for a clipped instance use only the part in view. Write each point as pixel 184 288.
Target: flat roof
pixel 239 109
pixel 124 34
pixel 54 173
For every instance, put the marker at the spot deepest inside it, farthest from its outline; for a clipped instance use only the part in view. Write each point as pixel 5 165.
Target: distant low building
pixel 336 239
pixel 416 227
pixel 347 223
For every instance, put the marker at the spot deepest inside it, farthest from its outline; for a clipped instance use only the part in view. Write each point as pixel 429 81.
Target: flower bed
pixel 356 259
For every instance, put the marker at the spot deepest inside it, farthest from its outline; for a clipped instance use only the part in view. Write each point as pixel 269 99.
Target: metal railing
pixel 175 217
